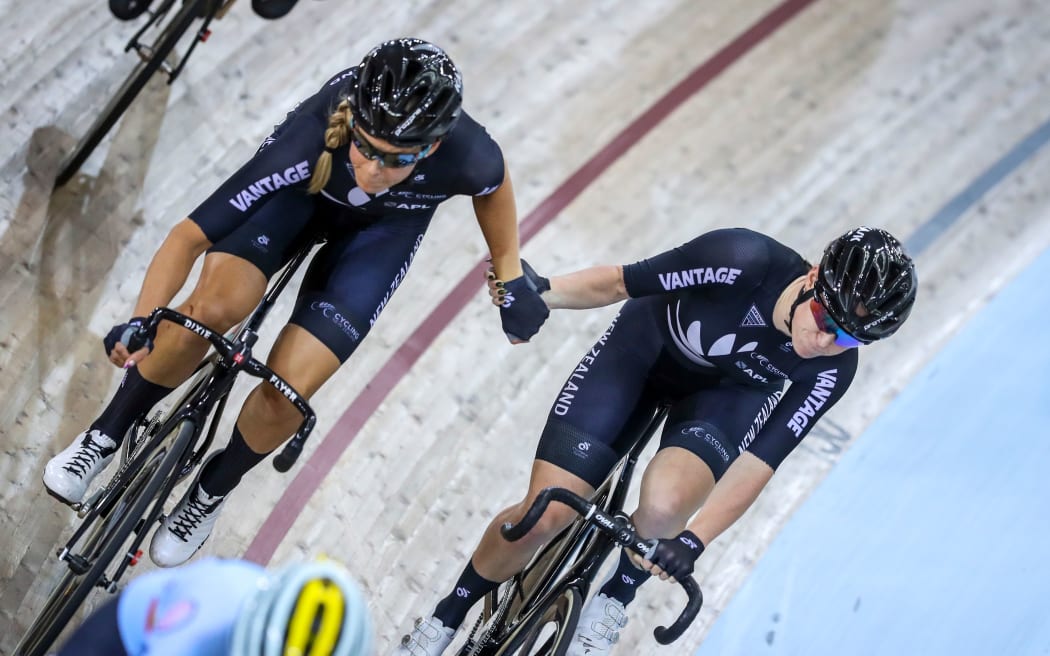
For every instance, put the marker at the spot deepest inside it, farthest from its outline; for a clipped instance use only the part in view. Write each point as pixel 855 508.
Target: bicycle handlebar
pixel 623 534
pixel 230 352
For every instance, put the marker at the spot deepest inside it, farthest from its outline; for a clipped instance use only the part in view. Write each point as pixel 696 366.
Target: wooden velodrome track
pixel 840 112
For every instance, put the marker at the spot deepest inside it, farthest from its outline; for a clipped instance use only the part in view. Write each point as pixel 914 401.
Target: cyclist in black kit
pixel 364 161
pixel 715 327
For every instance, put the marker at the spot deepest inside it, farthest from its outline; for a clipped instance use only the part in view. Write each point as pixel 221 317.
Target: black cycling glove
pixel 523 311
pixel 677 555
pixel 131 334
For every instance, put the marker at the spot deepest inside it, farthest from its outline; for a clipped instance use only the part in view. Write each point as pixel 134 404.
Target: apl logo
pixel 690 344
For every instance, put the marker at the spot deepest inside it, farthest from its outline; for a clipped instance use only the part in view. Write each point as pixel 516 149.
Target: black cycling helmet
pixel 866 269
pixel 408 93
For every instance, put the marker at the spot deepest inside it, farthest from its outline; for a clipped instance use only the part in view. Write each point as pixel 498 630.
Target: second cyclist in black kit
pixel 365 161
pixel 715 327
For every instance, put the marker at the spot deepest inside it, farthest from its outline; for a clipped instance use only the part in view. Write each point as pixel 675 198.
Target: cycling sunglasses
pixel 385 159
pixel 826 324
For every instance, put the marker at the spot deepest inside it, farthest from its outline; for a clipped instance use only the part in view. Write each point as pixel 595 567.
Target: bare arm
pixel 171 266
pixel 731 497
pixel 595 287
pixel 498 218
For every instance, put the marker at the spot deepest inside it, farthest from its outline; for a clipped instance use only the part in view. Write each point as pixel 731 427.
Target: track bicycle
pixel 156 455
pixel 535 613
pixel 168 22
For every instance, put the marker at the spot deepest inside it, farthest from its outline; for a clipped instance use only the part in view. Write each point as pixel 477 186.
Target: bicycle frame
pixel 572 559
pixel 163 453
pixel 206 9
pixel 153 58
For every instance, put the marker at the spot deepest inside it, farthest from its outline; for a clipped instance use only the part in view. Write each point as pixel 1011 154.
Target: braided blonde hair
pixel 337 134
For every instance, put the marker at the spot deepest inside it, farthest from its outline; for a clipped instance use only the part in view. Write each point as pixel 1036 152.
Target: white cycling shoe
pixel 599 628
pixel 429 637
pixel 68 475
pixel 184 531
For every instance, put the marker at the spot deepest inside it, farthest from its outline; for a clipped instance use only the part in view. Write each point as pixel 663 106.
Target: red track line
pixel 306 482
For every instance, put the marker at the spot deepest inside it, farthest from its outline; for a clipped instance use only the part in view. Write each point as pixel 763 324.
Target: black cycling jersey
pixel 699 327
pixel 262 212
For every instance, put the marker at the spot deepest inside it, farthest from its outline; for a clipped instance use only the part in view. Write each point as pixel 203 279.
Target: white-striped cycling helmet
pixel 306 609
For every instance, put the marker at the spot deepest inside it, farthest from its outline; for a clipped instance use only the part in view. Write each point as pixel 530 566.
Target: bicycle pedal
pixel 66 502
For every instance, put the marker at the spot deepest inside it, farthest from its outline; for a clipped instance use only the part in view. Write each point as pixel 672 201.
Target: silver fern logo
pixel 689 342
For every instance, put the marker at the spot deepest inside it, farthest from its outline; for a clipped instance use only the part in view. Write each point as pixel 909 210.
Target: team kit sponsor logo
pixel 754 375
pixel 816 400
pixel 764 362
pixel 753 318
pixel 397 205
pixel 269 184
pixel 709 439
pixel 329 312
pixel 701 276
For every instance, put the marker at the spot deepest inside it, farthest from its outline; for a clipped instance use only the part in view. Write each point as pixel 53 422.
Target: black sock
pixel 625 580
pixel 470 587
pixel 135 397
pixel 224 471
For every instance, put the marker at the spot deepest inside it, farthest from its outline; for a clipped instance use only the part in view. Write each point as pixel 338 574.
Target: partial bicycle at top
pixel 154 43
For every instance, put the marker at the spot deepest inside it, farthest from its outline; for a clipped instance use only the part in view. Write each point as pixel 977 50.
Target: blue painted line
pixel 933 228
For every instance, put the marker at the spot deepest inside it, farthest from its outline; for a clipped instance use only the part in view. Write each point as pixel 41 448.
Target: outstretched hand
pixel 522 309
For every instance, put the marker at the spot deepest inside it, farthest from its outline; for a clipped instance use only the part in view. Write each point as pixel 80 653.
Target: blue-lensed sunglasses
pixel 826 324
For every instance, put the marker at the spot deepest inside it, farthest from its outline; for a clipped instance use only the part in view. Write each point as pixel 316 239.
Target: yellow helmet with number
pixel 306 609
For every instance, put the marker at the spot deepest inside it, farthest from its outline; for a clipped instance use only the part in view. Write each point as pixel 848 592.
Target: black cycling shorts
pixel 621 381
pixel 351 277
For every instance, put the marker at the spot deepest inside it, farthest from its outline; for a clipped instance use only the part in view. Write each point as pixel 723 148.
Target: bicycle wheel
pixel 548 630
pixel 108 537
pixel 131 87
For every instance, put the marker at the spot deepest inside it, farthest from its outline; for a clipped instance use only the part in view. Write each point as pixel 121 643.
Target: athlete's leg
pixel 601 402
pixel 497 559
pixel 703 435
pixel 674 486
pixel 228 289
pixel 350 277
pixel 268 418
